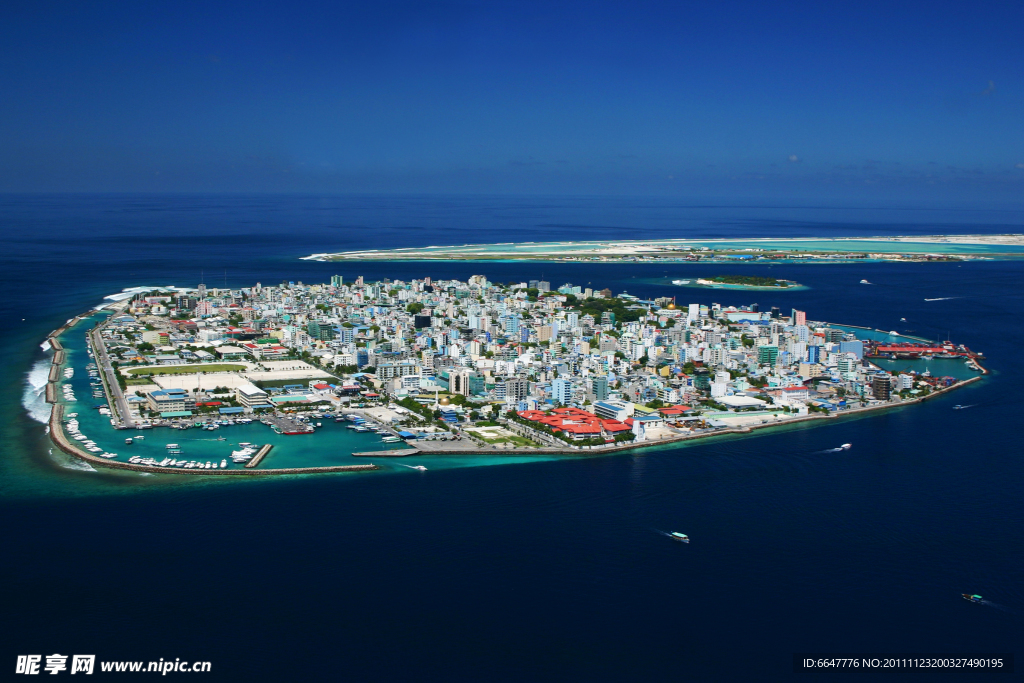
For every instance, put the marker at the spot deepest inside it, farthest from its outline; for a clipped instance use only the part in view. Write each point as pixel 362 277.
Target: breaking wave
pixel 34 395
pixel 70 462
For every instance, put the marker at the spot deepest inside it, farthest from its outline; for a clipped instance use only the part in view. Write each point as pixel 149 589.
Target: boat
pixel 971 598
pixel 865 282
pixel 846 446
pixel 172 445
pixel 958 407
pixel 223 463
pixel 138 436
pixel 680 282
pixel 682 538
pixel 128 442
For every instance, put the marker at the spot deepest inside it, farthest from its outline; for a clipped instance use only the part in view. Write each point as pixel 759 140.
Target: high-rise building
pixel 336 281
pixel 516 388
pixel 813 354
pixel 856 347
pixel 767 354
pixel 881 387
pixel 599 387
pixel 561 391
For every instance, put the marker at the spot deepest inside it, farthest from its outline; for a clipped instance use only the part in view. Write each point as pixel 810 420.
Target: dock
pixel 259 455
pixel 397 453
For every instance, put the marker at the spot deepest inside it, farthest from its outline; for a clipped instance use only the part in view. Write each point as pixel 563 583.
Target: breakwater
pixel 397 453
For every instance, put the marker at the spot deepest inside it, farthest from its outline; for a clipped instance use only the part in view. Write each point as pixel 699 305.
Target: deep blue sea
pixel 542 571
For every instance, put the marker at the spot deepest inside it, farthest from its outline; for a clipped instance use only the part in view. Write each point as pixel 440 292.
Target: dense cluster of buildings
pixel 523 347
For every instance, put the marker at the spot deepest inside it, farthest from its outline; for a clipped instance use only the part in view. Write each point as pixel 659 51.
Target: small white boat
pixel 172 445
pixel 223 463
pixel 865 282
pixel 846 446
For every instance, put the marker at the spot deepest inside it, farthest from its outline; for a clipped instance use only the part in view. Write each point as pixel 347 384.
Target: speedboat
pixel 846 446
pixel 676 536
pixel 865 282
pixel 971 598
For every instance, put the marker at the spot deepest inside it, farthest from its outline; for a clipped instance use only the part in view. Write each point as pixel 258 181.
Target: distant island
pixel 746 281
pixel 732 251
pixel 739 282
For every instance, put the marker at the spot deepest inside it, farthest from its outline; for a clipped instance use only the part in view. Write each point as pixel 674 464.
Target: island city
pixel 444 367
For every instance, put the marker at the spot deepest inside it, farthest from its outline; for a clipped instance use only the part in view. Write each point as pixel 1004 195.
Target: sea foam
pixel 69 462
pixel 33 398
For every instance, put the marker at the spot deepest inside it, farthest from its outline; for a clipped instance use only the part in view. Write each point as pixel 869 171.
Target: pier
pixel 397 453
pixel 259 455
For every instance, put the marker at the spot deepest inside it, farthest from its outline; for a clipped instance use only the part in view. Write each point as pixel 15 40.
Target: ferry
pixel 971 598
pixel 682 538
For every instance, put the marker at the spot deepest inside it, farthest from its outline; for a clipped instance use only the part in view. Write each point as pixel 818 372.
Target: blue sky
pixel 763 99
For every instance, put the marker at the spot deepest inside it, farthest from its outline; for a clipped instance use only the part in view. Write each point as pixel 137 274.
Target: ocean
pixel 548 569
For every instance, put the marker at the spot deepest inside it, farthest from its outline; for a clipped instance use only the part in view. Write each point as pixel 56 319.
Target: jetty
pixel 396 453
pixel 259 455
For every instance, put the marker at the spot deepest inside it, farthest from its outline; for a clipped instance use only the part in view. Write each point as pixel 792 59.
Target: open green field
pixel 186 369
